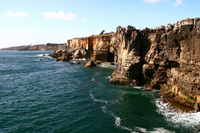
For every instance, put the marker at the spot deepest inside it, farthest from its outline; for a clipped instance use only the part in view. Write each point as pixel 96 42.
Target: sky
pixel 25 22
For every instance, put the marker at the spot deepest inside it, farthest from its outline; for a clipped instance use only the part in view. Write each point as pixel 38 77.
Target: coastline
pixel 155 58
pixel 164 58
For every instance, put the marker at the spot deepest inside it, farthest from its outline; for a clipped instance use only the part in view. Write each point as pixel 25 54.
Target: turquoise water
pixel 38 94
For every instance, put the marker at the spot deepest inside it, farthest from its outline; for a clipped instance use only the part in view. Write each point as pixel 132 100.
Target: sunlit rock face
pixel 165 58
pixel 100 47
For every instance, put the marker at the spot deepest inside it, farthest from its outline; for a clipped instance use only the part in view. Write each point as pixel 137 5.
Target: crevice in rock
pixel 111 57
pixel 156 86
pixel 198 107
pixel 171 64
pixel 144 48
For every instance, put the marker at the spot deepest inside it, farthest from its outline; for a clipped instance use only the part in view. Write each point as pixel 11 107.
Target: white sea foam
pixel 139 87
pixel 40 55
pixel 107 66
pixel 160 130
pixel 136 129
pixel 156 130
pixel 96 75
pixel 118 124
pixel 97 100
pixel 184 119
pixel 108 77
pixel 117 120
pixel 140 129
pixel 80 59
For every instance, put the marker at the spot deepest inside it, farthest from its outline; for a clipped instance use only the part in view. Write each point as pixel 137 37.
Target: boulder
pixel 90 64
pixel 169 27
pixel 118 78
pixel 77 54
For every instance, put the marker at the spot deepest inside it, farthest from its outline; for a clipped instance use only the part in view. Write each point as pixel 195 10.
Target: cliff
pixel 165 58
pixel 41 47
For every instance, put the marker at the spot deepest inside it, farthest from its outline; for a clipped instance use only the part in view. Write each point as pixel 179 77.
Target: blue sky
pixel 24 22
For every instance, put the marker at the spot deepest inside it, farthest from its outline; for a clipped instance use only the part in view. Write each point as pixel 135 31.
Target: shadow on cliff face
pixel 110 57
pixel 199 110
pixel 145 45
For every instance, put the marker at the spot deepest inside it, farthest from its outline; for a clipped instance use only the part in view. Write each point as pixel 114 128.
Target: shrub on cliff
pixel 102 32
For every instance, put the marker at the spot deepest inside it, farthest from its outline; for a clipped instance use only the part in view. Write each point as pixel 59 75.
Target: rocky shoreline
pixel 165 58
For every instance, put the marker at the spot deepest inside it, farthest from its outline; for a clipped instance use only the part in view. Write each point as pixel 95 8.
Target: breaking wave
pixel 180 119
pixel 107 66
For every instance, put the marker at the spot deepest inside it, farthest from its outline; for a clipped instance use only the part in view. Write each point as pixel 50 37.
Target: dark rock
pixel 77 62
pixel 98 62
pixel 71 63
pixel 109 63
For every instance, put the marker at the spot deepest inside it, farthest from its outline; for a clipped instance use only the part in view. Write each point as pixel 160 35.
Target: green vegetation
pixel 190 97
pixel 111 76
pixel 102 32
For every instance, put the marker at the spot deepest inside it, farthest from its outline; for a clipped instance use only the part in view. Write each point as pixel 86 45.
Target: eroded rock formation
pixel 165 58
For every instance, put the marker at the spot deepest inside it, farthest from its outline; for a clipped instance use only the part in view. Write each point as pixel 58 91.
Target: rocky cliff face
pixel 97 47
pixel 164 58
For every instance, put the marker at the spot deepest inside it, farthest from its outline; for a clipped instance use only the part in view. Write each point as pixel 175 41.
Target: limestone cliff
pixel 164 58
pixel 98 47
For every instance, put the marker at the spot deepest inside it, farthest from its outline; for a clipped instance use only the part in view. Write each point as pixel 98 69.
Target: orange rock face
pixel 99 46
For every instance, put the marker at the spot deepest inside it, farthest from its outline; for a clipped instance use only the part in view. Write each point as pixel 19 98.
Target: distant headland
pixel 39 47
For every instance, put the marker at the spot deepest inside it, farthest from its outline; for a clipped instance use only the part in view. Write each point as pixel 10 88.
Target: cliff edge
pixel 165 58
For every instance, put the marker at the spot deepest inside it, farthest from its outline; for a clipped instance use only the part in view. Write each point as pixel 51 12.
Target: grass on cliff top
pixel 190 97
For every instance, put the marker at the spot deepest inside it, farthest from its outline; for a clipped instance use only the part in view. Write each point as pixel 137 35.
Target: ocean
pixel 39 94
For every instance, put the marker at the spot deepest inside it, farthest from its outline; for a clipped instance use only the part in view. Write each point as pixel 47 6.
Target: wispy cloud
pixel 83 20
pixel 17 14
pixel 152 1
pixel 178 2
pixel 59 15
